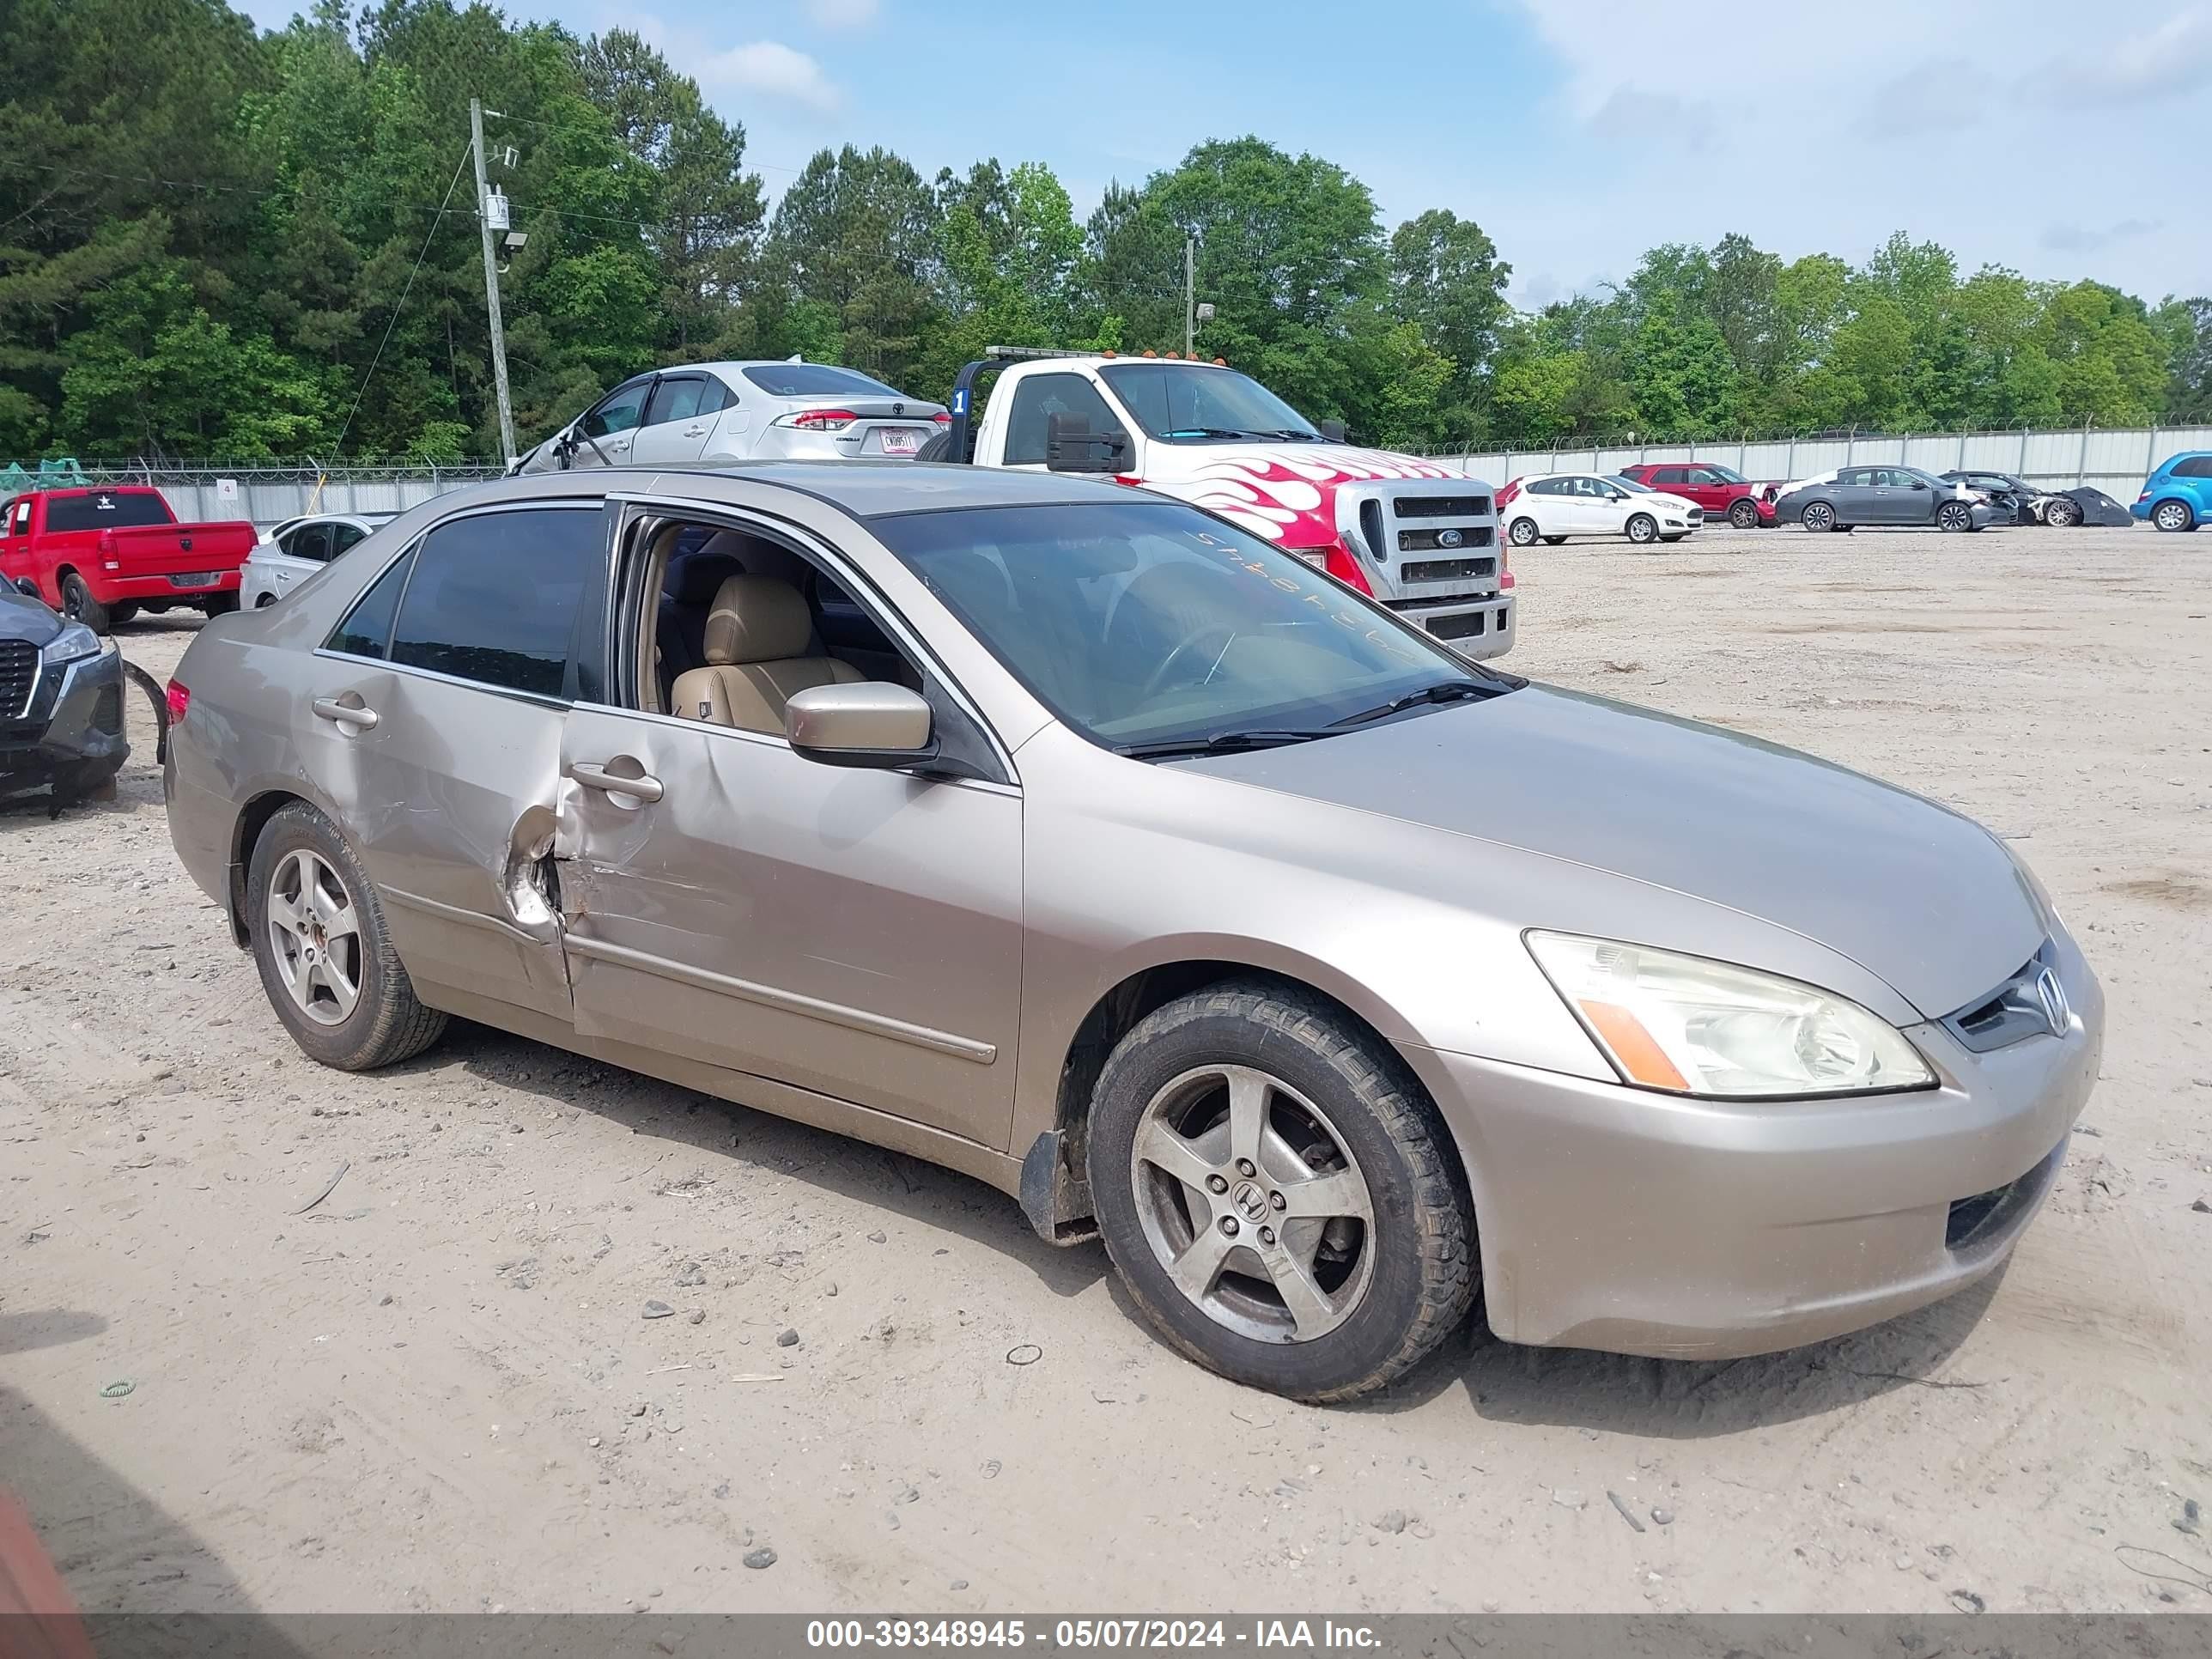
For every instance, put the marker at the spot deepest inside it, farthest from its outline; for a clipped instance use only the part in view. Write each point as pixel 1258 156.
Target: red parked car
pixel 1724 492
pixel 99 555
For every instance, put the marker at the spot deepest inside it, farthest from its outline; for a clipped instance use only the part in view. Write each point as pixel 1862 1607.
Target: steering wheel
pixel 1224 631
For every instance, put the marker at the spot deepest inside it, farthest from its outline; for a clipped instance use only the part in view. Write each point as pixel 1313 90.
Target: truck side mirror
pixel 1071 446
pixel 1333 430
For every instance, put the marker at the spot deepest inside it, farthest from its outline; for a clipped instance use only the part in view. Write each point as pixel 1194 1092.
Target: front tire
pixel 325 958
pixel 2064 513
pixel 79 605
pixel 1954 516
pixel 1743 515
pixel 1643 529
pixel 1277 1195
pixel 1522 532
pixel 1553 541
pixel 2173 516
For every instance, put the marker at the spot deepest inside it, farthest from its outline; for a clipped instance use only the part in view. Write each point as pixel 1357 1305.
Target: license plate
pixel 901 440
pixel 197 578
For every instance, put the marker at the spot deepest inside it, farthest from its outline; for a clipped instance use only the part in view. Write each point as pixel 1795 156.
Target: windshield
pixel 816 380
pixel 1629 484
pixel 1188 402
pixel 1147 622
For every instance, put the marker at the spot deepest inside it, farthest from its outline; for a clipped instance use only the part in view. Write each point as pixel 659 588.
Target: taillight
pixel 942 418
pixel 820 420
pixel 2144 496
pixel 1512 489
pixel 107 542
pixel 1504 568
pixel 1341 565
pixel 180 702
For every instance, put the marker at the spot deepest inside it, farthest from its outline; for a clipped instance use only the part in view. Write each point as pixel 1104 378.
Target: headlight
pixel 73 642
pixel 1694 1027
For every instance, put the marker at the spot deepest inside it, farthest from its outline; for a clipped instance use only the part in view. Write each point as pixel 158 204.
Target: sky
pixel 2056 138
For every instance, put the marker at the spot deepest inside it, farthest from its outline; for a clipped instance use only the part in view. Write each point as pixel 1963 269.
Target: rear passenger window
pixel 2197 467
pixel 366 629
pixel 495 596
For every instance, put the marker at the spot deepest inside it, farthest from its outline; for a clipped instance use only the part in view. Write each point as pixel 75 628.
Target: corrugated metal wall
pixel 263 496
pixel 2115 462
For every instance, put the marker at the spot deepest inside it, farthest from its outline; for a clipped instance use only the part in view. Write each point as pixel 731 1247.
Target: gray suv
pixel 1080 841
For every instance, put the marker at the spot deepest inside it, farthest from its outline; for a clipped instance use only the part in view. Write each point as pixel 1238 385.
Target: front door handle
pixel 592 776
pixel 695 431
pixel 354 715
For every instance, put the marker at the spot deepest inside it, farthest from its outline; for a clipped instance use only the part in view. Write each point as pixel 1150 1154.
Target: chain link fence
pixel 203 491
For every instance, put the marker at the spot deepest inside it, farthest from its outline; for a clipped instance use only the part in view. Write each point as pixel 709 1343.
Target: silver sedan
pixel 1076 840
pixel 721 414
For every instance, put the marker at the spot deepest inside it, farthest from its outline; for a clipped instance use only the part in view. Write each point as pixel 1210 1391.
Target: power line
pixel 400 305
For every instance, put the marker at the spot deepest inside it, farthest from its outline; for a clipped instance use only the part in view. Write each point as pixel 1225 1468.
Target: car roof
pixel 868 489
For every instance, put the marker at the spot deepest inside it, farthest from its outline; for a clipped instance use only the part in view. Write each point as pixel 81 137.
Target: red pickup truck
pixel 102 554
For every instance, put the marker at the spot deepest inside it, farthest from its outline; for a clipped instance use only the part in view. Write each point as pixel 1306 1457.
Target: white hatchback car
pixel 290 552
pixel 1553 505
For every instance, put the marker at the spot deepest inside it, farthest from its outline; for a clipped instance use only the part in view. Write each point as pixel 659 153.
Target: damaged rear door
pixel 452 744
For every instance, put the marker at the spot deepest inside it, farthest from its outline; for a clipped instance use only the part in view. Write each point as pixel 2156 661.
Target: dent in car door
pixel 854 932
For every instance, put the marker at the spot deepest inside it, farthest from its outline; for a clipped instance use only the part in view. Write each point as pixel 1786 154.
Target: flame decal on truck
pixel 1268 492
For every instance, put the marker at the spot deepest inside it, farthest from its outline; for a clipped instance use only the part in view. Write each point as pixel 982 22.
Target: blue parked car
pixel 2178 495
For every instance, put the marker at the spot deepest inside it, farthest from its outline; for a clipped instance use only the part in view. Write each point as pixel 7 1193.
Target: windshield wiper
pixel 1442 691
pixel 1215 432
pixel 1220 743
pixel 1295 435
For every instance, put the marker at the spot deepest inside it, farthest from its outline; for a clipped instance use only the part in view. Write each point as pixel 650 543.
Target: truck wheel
pixel 122 611
pixel 79 605
pixel 219 605
pixel 1522 532
pixel 326 961
pixel 1743 515
pixel 1818 515
pixel 1642 528
pixel 1279 1196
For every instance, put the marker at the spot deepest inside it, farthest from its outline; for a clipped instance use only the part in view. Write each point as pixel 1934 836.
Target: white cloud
pixel 1633 116
pixel 774 69
pixel 2073 239
pixel 842 13
pixel 1943 97
pixel 2169 61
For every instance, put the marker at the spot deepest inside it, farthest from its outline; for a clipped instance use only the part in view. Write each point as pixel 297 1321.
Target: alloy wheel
pixel 1641 529
pixel 1819 516
pixel 1953 516
pixel 1743 515
pixel 1523 532
pixel 314 935
pixel 1251 1200
pixel 2171 516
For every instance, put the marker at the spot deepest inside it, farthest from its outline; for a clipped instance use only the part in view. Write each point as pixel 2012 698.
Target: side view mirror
pixel 1333 430
pixel 27 587
pixel 1071 446
pixel 875 724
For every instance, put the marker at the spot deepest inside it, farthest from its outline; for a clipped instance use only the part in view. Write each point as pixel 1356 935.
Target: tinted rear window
pixel 816 380
pixel 366 629
pixel 106 509
pixel 2197 467
pixel 495 597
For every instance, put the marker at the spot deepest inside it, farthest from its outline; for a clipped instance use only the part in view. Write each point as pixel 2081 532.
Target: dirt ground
pixel 435 1389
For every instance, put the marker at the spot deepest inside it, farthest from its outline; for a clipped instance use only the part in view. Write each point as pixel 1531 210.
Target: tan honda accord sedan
pixel 1078 840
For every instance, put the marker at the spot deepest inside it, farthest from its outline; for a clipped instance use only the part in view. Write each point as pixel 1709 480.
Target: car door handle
pixel 695 431
pixel 598 777
pixel 345 714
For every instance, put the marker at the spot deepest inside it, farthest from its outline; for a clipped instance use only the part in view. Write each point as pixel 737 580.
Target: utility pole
pixel 491 283
pixel 1190 293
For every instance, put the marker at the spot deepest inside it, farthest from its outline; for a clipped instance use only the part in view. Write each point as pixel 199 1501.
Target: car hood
pixel 1661 498
pixel 1921 896
pixel 1285 492
pixel 23 617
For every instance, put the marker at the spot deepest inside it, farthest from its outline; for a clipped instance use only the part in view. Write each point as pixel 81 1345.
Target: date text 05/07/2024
pixel 1288 1634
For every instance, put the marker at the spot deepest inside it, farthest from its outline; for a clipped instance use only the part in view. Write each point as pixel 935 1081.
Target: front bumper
pixel 1477 629
pixel 71 734
pixel 1637 1223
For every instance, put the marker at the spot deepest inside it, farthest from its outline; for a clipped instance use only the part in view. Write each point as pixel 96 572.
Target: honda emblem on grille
pixel 1447 538
pixel 2052 995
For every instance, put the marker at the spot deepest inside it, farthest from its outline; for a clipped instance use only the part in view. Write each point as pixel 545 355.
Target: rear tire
pixel 2173 516
pixel 121 612
pixel 219 605
pixel 264 601
pixel 1348 1157
pixel 1743 515
pixel 301 869
pixel 79 605
pixel 1818 516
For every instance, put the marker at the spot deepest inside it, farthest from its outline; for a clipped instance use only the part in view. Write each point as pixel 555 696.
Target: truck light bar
pixel 1006 353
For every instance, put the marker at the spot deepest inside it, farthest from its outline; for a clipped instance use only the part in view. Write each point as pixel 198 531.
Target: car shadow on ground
pixel 720 1131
